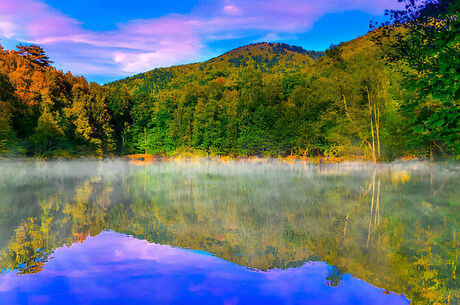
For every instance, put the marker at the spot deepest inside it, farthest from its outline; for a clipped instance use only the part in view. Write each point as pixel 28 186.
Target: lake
pixel 240 232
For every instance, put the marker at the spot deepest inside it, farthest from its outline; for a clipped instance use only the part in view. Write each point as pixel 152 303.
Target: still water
pixel 203 232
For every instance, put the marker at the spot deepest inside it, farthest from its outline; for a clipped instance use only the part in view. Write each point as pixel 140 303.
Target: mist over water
pixel 393 225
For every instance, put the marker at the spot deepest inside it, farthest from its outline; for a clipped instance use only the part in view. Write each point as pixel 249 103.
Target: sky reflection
pixel 113 268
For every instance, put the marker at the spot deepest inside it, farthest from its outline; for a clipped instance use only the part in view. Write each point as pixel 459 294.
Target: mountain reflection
pixel 393 226
pixel 113 269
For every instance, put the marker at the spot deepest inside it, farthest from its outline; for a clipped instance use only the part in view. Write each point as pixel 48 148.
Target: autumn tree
pixel 35 54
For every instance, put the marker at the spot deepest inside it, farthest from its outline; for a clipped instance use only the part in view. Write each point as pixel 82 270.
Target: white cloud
pixel 7 29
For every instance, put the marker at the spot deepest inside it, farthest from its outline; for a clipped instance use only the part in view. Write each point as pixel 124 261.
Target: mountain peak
pixel 265 57
pixel 275 48
pixel 281 48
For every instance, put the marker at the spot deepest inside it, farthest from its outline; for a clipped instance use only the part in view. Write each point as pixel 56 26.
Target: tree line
pixel 391 93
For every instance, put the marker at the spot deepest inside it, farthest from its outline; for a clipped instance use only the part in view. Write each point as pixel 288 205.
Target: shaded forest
pixel 391 93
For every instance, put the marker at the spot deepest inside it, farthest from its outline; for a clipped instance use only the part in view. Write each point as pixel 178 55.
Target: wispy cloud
pixel 133 47
pixel 140 45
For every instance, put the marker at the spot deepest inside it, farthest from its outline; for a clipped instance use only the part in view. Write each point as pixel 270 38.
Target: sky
pixel 105 40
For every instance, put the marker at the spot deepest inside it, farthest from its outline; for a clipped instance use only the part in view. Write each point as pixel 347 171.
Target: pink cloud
pixel 34 18
pixel 232 10
pixel 7 28
pixel 133 47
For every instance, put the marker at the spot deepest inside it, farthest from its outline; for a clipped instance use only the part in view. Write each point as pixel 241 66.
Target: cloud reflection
pixel 112 268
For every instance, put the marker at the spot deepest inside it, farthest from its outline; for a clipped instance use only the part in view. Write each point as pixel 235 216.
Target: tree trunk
pixel 374 158
pixel 372 208
pixel 145 141
pixel 351 120
pixel 443 152
pixel 431 152
pixel 377 128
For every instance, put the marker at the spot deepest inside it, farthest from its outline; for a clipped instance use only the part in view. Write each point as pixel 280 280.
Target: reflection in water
pixel 111 268
pixel 393 226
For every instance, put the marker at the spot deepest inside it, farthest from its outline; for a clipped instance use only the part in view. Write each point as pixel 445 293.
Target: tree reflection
pixel 334 277
pixel 386 227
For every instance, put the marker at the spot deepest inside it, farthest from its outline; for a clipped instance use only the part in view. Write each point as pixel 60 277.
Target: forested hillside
pixel 264 57
pixel 46 112
pixel 391 93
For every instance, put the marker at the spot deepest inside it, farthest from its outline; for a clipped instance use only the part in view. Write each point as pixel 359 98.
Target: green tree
pixel 7 100
pixel 48 134
pixel 429 45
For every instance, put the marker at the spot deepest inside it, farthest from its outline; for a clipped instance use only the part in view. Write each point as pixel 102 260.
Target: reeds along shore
pixel 142 159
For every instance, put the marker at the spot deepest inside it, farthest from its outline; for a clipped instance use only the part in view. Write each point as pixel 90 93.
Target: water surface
pixel 114 232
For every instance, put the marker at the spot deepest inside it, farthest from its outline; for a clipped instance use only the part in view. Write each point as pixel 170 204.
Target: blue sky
pixel 105 40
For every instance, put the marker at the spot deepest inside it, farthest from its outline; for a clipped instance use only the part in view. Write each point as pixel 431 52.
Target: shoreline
pixel 142 159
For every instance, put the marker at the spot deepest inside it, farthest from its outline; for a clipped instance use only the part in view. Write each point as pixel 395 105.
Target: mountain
pixel 264 57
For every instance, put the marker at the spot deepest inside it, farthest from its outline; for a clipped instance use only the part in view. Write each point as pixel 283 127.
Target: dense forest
pixel 391 93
